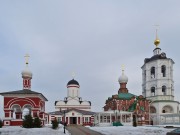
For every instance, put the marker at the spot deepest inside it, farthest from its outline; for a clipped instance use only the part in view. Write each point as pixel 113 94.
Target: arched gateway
pixel 19 103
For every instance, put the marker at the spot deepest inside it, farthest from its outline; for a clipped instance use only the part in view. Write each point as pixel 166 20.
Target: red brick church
pixel 19 103
pixel 128 102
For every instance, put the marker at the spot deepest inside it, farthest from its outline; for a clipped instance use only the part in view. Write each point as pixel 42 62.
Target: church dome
pixel 123 78
pixel 71 82
pixel 26 73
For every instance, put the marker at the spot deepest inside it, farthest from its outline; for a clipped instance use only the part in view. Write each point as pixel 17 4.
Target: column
pixel 99 118
pixel 121 118
pixel 110 118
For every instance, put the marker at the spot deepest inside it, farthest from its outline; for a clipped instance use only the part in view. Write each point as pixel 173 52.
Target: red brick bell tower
pixel 19 103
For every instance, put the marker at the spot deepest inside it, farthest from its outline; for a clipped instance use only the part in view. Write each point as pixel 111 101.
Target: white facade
pixel 73 100
pixel 158 84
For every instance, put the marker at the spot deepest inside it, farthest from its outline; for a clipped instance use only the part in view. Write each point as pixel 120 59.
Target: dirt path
pixel 80 130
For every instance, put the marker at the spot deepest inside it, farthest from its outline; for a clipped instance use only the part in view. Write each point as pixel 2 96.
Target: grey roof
pixel 156 57
pixel 72 109
pixel 24 91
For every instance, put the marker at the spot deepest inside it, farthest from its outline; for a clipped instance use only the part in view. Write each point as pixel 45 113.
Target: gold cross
pixel 157 27
pixel 122 66
pixel 27 58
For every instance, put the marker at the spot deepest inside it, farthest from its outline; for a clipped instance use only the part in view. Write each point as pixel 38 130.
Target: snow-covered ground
pixel 47 130
pixel 121 130
pixel 130 130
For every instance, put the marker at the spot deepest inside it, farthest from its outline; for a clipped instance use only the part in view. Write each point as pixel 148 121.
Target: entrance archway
pixel 73 120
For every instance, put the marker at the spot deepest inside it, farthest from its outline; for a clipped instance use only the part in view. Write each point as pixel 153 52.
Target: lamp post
pixel 64 123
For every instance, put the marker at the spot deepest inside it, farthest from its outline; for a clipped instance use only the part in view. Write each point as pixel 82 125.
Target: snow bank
pixel 47 130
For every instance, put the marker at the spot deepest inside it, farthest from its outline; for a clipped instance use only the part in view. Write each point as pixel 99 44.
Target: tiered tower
pixel 158 83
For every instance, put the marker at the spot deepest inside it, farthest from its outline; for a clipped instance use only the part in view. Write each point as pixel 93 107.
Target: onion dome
pixel 73 82
pixel 26 73
pixel 123 78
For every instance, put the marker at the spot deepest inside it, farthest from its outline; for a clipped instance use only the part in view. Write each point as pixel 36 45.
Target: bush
pixel 55 124
pixel 134 121
pixel 27 121
pixel 1 123
pixel 37 123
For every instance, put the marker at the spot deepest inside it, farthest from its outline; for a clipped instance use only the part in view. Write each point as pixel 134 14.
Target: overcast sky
pixel 92 38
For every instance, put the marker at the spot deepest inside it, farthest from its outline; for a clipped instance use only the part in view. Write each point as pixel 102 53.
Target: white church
pixel 158 86
pixel 72 110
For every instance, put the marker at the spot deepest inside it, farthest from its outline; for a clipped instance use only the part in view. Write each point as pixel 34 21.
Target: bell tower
pixel 157 75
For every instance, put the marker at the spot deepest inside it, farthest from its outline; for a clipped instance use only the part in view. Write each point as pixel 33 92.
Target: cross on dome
pixel 156 41
pixel 123 78
pixel 27 59
pixel 73 75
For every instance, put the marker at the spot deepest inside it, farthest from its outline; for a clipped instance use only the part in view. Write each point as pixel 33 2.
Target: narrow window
pixel 164 90
pixel 163 70
pixel 152 72
pixel 152 91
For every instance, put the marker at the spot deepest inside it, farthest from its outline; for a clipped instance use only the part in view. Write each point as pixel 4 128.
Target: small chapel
pixel 122 106
pixel 73 110
pixel 19 103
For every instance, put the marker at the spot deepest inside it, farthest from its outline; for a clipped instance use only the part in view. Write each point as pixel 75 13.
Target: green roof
pixel 132 107
pixel 125 95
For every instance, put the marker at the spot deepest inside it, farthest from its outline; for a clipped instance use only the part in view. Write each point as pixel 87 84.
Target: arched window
pixel 163 70
pixel 167 109
pixel 152 91
pixel 152 72
pixel 164 90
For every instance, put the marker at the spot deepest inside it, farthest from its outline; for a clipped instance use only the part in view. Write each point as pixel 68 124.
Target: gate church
pixel 73 110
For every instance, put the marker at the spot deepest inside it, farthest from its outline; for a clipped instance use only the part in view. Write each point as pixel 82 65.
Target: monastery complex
pixel 155 106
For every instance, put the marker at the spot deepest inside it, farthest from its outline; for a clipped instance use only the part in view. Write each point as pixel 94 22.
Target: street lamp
pixel 64 122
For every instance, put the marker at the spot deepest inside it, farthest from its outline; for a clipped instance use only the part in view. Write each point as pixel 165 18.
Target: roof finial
pixel 122 66
pixel 156 41
pixel 73 75
pixel 27 59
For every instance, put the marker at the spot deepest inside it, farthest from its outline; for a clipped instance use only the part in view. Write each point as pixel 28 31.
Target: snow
pixel 130 130
pixel 111 130
pixel 46 130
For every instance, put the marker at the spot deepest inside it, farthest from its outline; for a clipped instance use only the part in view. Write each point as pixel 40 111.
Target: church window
pixel 163 70
pixel 164 111
pixel 58 119
pixel 152 91
pixel 86 119
pixel 152 72
pixel 164 90
pixel 25 82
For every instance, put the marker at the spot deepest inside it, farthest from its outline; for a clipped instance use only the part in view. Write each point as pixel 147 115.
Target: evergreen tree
pixel 55 124
pixel 37 123
pixel 28 121
pixel 1 123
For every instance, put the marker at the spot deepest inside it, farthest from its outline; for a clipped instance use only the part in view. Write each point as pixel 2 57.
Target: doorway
pixel 73 120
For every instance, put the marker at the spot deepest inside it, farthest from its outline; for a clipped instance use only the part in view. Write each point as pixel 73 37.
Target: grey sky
pixel 93 38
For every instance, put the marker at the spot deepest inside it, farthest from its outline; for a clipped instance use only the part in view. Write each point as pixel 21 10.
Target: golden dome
pixel 156 42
